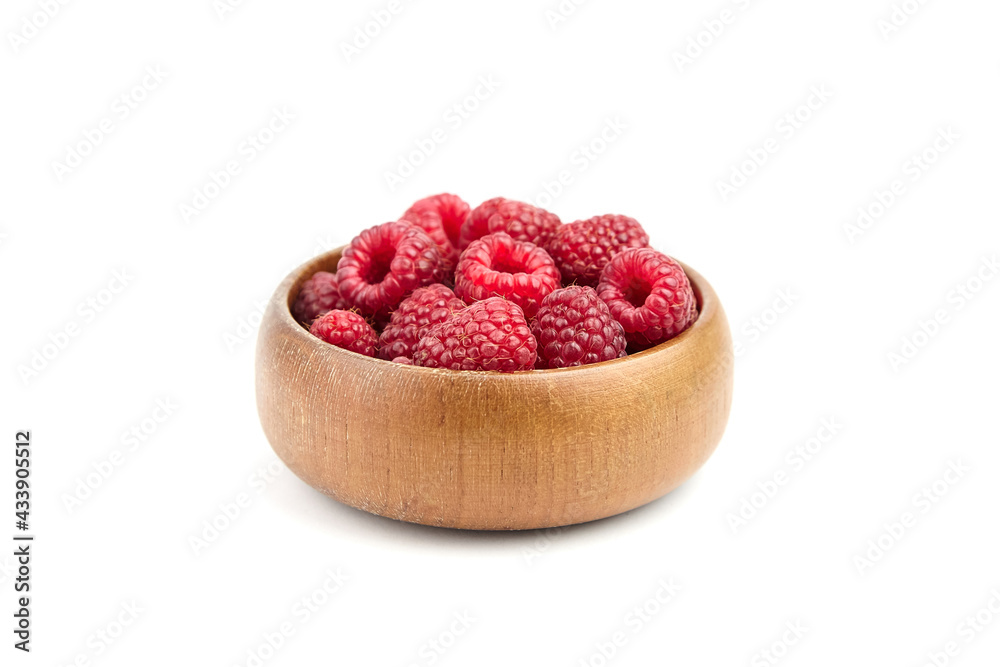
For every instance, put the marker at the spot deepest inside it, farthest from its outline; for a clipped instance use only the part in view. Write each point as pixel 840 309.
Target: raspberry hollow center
pixel 637 291
pixel 379 267
pixel 506 264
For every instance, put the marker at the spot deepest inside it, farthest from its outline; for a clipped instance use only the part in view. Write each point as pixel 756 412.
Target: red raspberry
pixel 522 221
pixel 318 295
pixel 386 263
pixel 574 327
pixel 347 330
pixel 441 216
pixel 581 249
pixel 425 307
pixel 430 223
pixel 649 294
pixel 490 335
pixel 406 361
pixel 497 265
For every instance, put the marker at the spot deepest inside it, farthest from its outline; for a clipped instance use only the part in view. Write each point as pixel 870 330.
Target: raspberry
pixel 430 223
pixel 346 330
pixel 523 222
pixel 318 295
pixel 581 249
pixel 441 216
pixel 386 263
pixel 574 327
pixel 490 335
pixel 406 361
pixel 497 265
pixel 649 294
pixel 425 307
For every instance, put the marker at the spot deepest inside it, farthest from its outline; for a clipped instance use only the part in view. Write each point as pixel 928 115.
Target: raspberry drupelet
pixel 441 217
pixel 497 265
pixel 317 296
pixel 649 294
pixel 384 264
pixel 489 335
pixel 583 248
pixel 574 327
pixel 424 308
pixel 522 221
pixel 346 330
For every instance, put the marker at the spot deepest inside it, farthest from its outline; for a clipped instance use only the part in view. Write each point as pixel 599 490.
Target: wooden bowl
pixel 492 451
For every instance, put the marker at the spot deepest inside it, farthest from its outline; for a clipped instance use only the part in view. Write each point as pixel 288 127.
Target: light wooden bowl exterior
pixel 492 451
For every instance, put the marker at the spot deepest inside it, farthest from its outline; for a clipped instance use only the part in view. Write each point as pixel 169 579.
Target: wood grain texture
pixel 492 451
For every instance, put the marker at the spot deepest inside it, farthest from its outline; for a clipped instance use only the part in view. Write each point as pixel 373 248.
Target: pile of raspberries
pixel 502 287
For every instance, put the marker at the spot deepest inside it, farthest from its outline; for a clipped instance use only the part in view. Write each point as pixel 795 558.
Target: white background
pixel 183 327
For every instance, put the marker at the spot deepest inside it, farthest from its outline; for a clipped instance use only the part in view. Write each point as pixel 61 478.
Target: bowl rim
pixel 708 310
